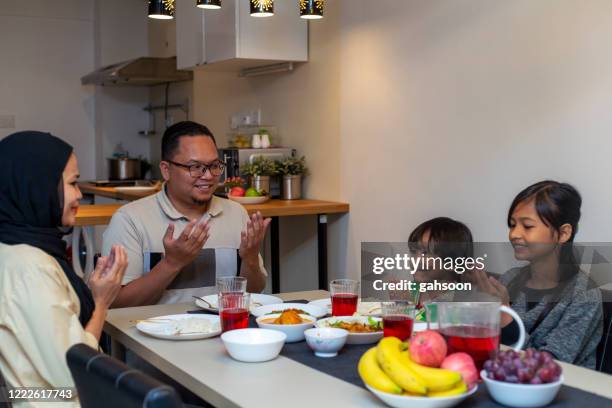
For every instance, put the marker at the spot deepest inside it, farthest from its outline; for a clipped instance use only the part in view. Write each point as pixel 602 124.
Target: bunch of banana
pixel 388 368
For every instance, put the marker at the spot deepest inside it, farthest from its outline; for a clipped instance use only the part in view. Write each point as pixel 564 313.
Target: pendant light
pixel 161 9
pixel 312 9
pixel 262 8
pixel 209 4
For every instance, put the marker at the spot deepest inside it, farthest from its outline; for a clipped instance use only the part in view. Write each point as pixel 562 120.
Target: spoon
pixel 205 301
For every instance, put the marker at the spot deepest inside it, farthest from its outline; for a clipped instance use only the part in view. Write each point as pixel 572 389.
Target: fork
pixel 205 301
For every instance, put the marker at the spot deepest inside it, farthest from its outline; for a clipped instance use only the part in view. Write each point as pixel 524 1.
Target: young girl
pixel 560 307
pixel 444 238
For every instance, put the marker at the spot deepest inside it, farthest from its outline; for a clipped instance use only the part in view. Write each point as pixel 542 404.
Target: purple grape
pixel 546 358
pixel 545 374
pixel 535 381
pixel 512 379
pixel 500 374
pixel 524 375
pixel 488 365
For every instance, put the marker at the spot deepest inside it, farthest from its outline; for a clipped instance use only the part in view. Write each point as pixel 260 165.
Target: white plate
pixel 312 310
pixel 249 200
pixel 135 189
pixel 363 308
pixel 408 401
pixel 257 299
pixel 162 327
pixel 354 338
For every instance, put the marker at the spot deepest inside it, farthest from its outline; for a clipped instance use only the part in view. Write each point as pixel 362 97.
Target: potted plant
pixel 260 171
pixel 292 170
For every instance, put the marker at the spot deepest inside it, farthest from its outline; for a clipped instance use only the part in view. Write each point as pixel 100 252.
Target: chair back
pixel 604 350
pixel 103 381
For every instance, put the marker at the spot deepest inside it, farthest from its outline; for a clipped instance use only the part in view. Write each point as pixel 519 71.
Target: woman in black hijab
pixel 45 307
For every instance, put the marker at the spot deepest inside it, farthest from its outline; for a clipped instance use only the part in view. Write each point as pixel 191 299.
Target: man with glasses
pixel 180 239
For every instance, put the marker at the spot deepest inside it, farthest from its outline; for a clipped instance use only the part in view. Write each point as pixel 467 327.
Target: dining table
pixel 206 369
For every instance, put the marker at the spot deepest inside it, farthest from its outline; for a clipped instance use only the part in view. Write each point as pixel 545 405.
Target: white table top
pixel 206 369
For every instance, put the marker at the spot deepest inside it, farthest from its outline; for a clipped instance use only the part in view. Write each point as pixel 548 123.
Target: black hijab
pixel 31 201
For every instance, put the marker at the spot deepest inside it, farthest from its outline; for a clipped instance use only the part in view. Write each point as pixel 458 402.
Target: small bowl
pixel 522 395
pixel 253 345
pixel 354 338
pixel 409 401
pixel 326 341
pixel 294 332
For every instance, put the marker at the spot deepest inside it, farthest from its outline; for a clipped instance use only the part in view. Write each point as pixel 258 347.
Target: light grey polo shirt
pixel 140 227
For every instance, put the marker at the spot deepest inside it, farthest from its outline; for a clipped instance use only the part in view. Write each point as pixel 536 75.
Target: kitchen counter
pixel 100 214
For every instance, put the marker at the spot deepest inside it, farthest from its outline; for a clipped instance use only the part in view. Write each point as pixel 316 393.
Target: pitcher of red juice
pixel 473 328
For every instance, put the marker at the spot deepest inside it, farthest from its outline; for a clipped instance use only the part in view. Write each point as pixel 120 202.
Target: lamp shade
pixel 262 8
pixel 161 9
pixel 209 4
pixel 312 9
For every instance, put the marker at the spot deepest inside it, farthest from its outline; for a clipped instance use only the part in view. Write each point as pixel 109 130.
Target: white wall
pixel 451 107
pixel 413 109
pixel 45 47
pixel 120 33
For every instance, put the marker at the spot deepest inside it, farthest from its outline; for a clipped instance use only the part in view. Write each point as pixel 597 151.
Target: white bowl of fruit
pixel 419 374
pixel 244 196
pixel 529 379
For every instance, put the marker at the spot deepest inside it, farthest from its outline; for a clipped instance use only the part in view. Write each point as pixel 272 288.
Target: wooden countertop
pixel 112 192
pixel 100 214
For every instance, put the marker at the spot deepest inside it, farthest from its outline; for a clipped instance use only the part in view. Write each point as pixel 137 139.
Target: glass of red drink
pixel 398 319
pixel 234 310
pixel 473 328
pixel 344 296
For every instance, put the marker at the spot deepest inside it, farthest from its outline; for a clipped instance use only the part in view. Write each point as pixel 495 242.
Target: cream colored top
pixel 39 321
pixel 140 226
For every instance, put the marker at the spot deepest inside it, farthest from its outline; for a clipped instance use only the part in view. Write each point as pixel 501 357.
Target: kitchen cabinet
pixel 230 39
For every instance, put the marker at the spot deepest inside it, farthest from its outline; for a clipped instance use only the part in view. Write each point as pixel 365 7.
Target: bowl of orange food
pixel 290 322
pixel 361 329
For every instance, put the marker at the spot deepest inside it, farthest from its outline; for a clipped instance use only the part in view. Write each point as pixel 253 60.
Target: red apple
pixel 428 348
pixel 463 363
pixel 237 191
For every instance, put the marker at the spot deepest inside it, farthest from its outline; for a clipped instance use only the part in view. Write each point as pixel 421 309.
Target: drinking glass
pixel 398 319
pixel 473 328
pixel 231 284
pixel 344 296
pixel 234 310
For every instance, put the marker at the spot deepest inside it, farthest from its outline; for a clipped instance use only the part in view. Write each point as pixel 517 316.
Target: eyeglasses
pixel 199 169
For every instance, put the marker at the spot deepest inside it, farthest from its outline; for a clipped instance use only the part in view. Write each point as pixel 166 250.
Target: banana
pixel 460 388
pixel 436 379
pixel 371 373
pixel 390 360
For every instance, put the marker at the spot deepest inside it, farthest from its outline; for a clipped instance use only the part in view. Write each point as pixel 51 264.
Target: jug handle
pixel 521 341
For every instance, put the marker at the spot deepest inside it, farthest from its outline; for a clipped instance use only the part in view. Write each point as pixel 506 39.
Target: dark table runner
pixel 344 367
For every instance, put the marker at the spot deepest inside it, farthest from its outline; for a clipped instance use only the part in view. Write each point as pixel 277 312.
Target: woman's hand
pixel 105 281
pixel 489 284
pixel 492 286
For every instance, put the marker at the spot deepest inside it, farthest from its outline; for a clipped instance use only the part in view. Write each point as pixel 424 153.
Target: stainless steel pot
pixel 124 169
pixel 292 187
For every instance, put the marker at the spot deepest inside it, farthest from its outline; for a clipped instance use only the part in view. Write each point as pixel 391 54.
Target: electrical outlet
pixel 245 119
pixel 7 121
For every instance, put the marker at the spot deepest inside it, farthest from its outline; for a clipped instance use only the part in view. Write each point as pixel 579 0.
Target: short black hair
pixel 173 134
pixel 447 238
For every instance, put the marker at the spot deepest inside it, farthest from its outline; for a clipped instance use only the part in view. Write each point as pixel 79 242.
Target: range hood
pixel 143 71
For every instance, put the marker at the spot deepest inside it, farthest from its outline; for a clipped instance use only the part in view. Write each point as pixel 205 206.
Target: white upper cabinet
pixel 230 39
